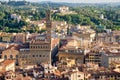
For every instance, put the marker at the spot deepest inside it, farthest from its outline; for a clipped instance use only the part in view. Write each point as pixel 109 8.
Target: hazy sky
pixel 80 1
pixel 73 1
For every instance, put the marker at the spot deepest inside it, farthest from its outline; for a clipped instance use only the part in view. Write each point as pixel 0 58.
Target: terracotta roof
pixel 57 72
pixel 7 62
pixel 14 46
pixel 39 42
pixel 113 53
pixel 3 44
pixel 105 73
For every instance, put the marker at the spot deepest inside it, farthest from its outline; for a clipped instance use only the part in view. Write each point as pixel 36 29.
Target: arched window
pixel 39 55
pixel 5 57
pixel 33 55
pixel 16 56
pixel 11 57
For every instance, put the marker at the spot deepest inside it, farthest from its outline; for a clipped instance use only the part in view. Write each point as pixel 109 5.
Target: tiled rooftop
pixel 7 62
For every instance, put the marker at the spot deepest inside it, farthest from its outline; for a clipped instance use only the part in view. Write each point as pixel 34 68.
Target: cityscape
pixel 59 40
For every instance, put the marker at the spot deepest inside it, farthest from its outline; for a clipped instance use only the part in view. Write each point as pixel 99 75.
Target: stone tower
pixel 48 25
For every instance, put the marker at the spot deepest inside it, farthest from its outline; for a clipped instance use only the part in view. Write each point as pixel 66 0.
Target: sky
pixel 78 1
pixel 73 1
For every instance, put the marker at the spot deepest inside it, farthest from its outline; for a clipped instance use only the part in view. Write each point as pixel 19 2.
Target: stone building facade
pixel 39 50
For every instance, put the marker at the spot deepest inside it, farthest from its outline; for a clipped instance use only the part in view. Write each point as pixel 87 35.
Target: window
pixel 47 55
pixel 79 75
pixel 33 55
pixel 5 57
pixel 39 55
pixel 36 47
pixel 11 57
pixel 36 55
pixel 16 56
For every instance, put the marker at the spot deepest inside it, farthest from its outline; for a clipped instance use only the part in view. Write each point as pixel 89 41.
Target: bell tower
pixel 48 25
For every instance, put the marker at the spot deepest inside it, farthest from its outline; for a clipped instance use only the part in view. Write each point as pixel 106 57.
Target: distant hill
pixel 17 3
pixel 81 4
pixel 57 4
